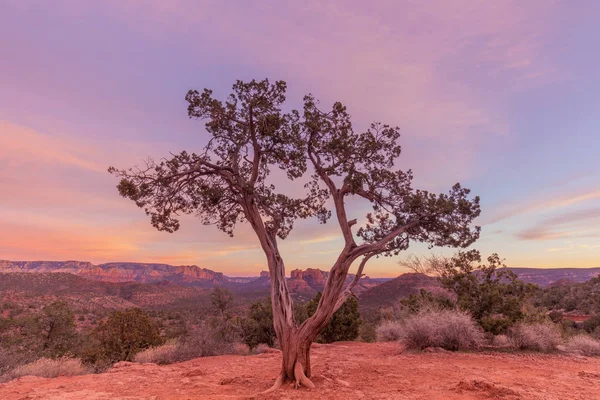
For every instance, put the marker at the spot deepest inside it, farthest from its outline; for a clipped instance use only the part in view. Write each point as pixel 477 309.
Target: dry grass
pixel 164 354
pixel 584 344
pixel 49 368
pixel 241 349
pixel 501 341
pixel 448 329
pixel 390 331
pixel 261 348
pixel 542 337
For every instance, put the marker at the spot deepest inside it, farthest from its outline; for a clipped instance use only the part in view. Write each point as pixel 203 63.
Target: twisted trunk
pixel 295 342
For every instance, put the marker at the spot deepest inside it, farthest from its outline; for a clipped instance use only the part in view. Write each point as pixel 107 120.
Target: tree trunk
pixel 294 342
pixel 295 364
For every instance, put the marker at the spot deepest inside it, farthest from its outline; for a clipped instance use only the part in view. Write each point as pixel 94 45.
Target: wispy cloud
pixel 538 205
pixel 571 224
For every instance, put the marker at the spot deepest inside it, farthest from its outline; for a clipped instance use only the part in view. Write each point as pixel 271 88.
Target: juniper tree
pixel 230 182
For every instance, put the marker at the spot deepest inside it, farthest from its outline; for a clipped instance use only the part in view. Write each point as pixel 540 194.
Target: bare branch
pixel 348 291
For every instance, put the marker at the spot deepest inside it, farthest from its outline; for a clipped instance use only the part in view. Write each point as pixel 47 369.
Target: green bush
pixel 555 316
pixel 493 294
pixel 57 329
pixel 122 335
pixel 258 326
pixel 368 332
pixel 343 325
pixel 591 324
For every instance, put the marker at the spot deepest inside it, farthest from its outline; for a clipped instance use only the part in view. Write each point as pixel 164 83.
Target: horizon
pixel 257 273
pixel 499 97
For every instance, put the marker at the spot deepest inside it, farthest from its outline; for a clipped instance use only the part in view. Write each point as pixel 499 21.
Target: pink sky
pixel 501 96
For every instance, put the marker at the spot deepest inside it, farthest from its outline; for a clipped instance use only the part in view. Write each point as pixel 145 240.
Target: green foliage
pixel 221 299
pixel 591 324
pixel 124 334
pixel 425 300
pixel 258 326
pixel 343 325
pixel 555 316
pixel 368 332
pixel 57 329
pixel 581 297
pixel 493 294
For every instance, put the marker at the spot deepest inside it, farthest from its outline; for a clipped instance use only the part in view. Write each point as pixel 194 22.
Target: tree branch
pixel 380 244
pixel 348 291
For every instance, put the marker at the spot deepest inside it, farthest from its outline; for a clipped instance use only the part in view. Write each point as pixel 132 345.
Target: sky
pixel 501 96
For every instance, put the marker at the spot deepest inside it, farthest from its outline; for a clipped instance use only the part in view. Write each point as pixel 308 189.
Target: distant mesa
pixel 305 283
pixel 186 275
pixel 390 292
pixel 555 276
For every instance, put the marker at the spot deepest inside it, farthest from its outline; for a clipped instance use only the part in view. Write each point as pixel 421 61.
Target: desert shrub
pixel 258 326
pixel 261 348
pixel 57 330
pixel 124 334
pixel 584 344
pixel 542 337
pixel 390 331
pixel 501 341
pixel 12 358
pixel 492 294
pixel 344 323
pixel 368 332
pixel 50 368
pixel 555 316
pixel 495 324
pixel 242 349
pixel 202 342
pixel 427 299
pixel 591 324
pixel 164 354
pixel 448 329
pixel 221 299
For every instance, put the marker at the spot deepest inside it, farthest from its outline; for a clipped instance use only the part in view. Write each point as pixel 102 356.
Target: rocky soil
pixel 340 371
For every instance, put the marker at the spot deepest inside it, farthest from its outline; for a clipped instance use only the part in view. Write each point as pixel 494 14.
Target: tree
pixel 221 299
pixel 258 328
pixel 57 327
pixel 344 323
pixel 229 182
pixel 492 293
pixel 125 333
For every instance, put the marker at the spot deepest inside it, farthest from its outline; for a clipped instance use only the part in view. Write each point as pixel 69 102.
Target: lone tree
pixel 228 182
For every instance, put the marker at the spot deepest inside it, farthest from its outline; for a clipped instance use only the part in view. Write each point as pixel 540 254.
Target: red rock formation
pixel 315 278
pixel 296 274
pixel 121 272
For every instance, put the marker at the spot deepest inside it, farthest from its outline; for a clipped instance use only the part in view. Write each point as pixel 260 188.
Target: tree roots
pixel 301 379
pixel 278 383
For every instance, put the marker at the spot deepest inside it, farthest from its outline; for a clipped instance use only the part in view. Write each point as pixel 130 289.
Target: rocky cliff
pixel 189 275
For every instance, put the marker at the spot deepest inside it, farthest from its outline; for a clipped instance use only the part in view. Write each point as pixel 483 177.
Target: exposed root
pixel 278 383
pixel 301 378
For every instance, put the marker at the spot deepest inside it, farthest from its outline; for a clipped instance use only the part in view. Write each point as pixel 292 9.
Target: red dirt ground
pixel 350 370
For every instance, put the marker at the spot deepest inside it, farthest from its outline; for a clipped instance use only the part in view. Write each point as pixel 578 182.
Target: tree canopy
pixel 230 182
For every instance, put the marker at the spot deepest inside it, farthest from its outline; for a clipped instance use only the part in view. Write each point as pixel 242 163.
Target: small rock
pixel 343 383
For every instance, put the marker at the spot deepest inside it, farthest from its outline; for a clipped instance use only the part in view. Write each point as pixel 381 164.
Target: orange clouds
pixel 573 224
pixel 537 205
pixel 20 146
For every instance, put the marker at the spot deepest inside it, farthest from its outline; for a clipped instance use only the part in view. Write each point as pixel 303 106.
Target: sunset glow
pixel 500 96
